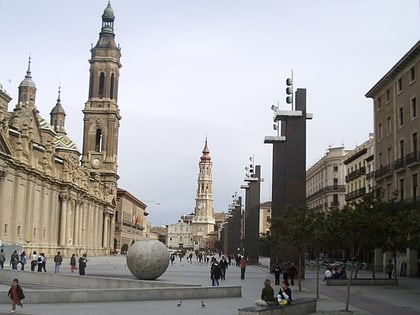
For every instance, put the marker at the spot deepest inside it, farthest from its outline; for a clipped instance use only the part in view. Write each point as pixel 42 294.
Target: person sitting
pixel 327 274
pixel 267 295
pixel 335 273
pixel 343 274
pixel 285 294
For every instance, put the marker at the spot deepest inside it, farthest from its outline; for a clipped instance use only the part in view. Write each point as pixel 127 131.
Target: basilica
pixel 53 197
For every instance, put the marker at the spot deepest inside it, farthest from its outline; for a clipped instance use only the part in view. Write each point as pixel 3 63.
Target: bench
pixel 360 281
pixel 298 307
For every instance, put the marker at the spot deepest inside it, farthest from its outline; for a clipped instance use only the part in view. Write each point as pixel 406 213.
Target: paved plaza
pixel 384 300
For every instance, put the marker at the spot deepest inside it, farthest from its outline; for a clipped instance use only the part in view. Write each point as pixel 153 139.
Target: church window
pixel 34 234
pixel 91 85
pixel 19 229
pixel 111 91
pixel 101 84
pixel 98 140
pixel 5 228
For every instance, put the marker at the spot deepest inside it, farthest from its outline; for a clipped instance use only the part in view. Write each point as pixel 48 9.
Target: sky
pixel 209 68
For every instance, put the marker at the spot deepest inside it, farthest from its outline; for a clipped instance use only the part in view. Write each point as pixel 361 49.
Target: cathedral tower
pixel 101 112
pixel 27 88
pixel 204 212
pixel 58 116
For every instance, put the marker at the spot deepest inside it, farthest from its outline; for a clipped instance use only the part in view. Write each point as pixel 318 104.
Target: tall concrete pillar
pixel 252 217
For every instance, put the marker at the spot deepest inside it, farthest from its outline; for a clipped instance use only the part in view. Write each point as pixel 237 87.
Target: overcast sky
pixel 197 68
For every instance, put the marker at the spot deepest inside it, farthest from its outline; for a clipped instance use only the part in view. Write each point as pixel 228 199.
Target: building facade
pixel 54 198
pixel 397 151
pixel 130 220
pixel 325 181
pixel 396 123
pixel 360 167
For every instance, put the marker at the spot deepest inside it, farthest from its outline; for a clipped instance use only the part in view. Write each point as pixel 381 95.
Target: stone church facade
pixel 54 198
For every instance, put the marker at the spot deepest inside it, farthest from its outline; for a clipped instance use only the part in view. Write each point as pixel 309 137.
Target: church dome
pixel 108 14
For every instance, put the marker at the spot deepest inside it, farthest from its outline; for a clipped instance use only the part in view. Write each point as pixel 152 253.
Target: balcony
pixel 399 165
pixel 412 158
pixel 370 176
pixel 359 172
pixel 326 190
pixel 355 194
pixel 383 171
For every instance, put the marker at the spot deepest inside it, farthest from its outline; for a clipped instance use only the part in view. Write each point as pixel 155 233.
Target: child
pixel 16 294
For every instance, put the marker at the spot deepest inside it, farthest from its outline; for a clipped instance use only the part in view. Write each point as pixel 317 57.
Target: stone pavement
pixel 402 300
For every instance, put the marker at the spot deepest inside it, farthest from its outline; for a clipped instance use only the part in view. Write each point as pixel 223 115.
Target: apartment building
pixel 360 168
pixel 325 181
pixel 397 127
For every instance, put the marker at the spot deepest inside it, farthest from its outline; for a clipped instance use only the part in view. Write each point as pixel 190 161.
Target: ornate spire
pixel 108 18
pixel 206 153
pixel 27 81
pixel 58 116
pixel 58 108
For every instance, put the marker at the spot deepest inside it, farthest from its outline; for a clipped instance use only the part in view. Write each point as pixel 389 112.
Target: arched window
pixel 111 91
pixel 98 142
pixel 90 85
pixel 101 84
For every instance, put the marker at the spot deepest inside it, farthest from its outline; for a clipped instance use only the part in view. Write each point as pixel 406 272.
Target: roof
pixel 406 59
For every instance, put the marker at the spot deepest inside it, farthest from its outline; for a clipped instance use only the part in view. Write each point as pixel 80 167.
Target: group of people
pixel 335 274
pixel 218 270
pixel 284 296
pixel 15 260
pixel 288 270
pixel 38 262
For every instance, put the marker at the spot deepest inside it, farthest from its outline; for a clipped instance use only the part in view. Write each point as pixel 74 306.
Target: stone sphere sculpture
pixel 147 259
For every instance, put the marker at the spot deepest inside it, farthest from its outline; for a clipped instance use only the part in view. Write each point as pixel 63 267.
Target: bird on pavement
pixel 179 304
pixel 202 304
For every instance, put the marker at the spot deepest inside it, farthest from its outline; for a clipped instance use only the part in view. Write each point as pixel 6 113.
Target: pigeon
pixel 203 305
pixel 179 304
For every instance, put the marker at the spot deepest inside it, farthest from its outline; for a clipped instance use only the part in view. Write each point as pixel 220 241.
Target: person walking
pixel 39 262
pixel 44 262
pixel 16 294
pixel 57 260
pixel 23 260
pixel 82 264
pixel 2 258
pixel 292 273
pixel 14 259
pixel 223 266
pixel 73 263
pixel 277 271
pixel 34 260
pixel 215 272
pixel 242 264
pixel 389 268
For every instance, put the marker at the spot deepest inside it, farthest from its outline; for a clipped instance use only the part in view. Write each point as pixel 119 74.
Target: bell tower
pixel 101 112
pixel 204 212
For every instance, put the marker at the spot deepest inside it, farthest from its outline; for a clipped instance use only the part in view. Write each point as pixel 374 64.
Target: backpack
pixel 39 259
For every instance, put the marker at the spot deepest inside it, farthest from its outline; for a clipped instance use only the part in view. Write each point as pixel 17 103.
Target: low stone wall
pixel 337 282
pixel 57 288
pixel 298 307
pixel 75 281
